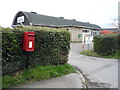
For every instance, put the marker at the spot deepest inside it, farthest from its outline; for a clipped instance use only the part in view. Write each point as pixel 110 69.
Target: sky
pixel 99 12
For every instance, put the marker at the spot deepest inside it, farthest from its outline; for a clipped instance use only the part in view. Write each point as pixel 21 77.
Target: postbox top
pixel 29 33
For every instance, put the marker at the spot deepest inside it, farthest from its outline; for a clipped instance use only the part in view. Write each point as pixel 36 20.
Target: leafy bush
pixel 51 48
pixel 106 44
pixel 119 42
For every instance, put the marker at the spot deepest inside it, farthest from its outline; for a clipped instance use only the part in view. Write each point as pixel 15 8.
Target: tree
pixel 115 22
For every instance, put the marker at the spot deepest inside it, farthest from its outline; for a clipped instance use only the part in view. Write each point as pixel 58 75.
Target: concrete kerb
pixel 82 79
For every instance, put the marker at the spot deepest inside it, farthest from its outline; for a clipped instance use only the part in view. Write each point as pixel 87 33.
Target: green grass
pixel 89 53
pixel 113 56
pixel 36 74
pixel 94 54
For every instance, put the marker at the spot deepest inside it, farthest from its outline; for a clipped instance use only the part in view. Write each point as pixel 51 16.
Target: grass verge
pixel 94 54
pixel 36 74
pixel 76 42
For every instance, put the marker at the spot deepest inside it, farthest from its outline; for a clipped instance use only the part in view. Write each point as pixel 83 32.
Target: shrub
pixel 118 41
pixel 51 48
pixel 106 44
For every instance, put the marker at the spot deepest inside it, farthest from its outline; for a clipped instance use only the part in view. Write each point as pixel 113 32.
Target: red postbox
pixel 28 41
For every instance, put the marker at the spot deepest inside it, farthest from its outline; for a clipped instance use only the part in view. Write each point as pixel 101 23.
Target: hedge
pixel 118 41
pixel 51 48
pixel 106 44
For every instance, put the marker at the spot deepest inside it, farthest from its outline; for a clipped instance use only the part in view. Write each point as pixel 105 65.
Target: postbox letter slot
pixel 31 35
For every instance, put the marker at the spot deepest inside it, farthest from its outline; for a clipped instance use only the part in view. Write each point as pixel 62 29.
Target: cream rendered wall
pixel 74 33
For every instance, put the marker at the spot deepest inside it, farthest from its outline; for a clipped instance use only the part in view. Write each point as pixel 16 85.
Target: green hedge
pixel 106 44
pixel 51 48
pixel 118 41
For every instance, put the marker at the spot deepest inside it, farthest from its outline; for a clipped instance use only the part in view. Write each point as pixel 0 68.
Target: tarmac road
pixel 99 72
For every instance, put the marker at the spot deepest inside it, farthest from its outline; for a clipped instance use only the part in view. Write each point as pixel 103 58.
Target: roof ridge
pixel 40 19
pixel 58 17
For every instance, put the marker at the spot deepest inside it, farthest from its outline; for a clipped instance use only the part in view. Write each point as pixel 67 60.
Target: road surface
pixel 99 72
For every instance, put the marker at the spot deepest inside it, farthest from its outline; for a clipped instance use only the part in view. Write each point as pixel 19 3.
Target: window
pixel 67 29
pixel 86 31
pixel 91 33
pixel 94 33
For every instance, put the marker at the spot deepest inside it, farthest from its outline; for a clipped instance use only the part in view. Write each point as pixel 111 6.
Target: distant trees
pixel 115 22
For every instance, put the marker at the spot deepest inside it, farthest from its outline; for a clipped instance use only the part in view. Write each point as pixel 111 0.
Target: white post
pixel 83 38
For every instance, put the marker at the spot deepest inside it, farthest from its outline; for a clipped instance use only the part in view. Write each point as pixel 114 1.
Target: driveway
pixel 98 72
pixel 77 47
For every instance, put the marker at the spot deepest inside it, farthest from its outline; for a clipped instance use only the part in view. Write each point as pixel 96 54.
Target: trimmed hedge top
pixel 51 48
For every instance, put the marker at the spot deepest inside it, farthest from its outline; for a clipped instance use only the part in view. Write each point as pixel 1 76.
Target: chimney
pixel 34 12
pixel 61 17
pixel 74 19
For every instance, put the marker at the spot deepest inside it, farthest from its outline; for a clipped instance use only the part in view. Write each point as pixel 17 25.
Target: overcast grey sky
pixel 100 12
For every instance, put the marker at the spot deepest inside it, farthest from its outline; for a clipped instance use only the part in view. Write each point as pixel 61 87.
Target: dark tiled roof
pixel 38 19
